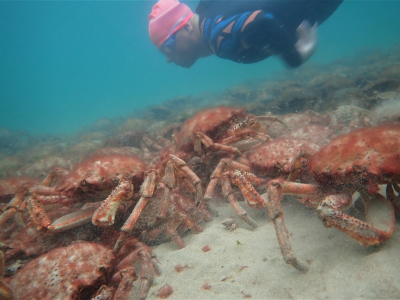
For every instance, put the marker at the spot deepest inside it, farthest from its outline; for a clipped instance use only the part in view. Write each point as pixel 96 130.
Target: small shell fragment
pixel 230 224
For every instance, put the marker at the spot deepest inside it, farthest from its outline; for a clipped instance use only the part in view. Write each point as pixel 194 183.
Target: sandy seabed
pixel 340 268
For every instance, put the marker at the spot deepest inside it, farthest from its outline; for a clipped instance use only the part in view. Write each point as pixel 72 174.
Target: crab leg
pixel 52 199
pixel 18 200
pixel 245 134
pixel 125 286
pixel 146 191
pixel 183 205
pixel 146 274
pixel 224 164
pixel 127 274
pixel 209 144
pixel 193 178
pixel 74 219
pixel 275 190
pixel 227 192
pixel 378 225
pixel 12 207
pixel 171 232
pixel 170 183
pixel 163 210
pixel 151 143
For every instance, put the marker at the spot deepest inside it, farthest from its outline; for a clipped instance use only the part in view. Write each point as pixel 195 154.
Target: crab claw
pixel 377 227
pixel 105 214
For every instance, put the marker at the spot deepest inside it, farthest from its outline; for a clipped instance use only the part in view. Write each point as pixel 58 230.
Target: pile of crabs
pixel 86 233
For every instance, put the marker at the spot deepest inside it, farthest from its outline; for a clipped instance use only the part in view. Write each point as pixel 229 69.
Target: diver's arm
pixel 268 31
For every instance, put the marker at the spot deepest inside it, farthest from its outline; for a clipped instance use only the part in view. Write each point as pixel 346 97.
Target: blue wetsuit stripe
pixel 272 31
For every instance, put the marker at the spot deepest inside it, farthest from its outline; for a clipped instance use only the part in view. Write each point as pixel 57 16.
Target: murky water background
pixel 65 64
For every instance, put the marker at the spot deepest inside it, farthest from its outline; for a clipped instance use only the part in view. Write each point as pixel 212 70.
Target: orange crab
pixel 357 161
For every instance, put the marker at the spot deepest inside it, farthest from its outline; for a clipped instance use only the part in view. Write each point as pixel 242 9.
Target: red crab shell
pixel 64 273
pixel 365 157
pixel 277 157
pixel 211 121
pixel 102 173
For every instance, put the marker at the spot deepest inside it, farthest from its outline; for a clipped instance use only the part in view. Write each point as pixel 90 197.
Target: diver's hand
pixel 307 40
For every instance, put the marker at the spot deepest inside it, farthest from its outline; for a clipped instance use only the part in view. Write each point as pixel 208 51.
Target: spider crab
pixel 116 176
pixel 207 132
pixel 282 157
pixel 78 270
pixel 219 130
pixel 355 162
pixel 120 176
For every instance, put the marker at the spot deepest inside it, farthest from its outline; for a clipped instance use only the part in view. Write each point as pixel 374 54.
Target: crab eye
pixel 83 182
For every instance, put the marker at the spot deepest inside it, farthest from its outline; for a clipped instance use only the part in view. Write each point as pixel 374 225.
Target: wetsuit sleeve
pixel 250 37
pixel 266 31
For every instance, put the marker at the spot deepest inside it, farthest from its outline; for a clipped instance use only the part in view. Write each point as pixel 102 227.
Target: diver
pixel 244 31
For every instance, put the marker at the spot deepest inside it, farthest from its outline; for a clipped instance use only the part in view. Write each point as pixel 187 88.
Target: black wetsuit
pixel 247 31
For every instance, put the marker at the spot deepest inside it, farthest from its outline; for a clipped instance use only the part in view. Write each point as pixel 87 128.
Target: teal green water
pixel 65 64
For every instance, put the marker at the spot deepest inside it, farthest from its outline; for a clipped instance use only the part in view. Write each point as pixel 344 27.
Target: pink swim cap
pixel 167 17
